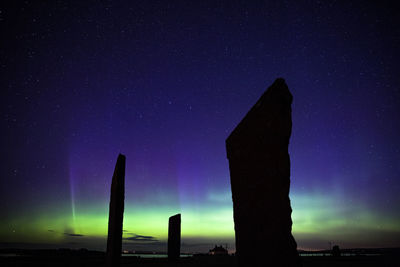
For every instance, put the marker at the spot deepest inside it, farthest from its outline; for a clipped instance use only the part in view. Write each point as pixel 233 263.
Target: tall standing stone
pixel 174 237
pixel 116 214
pixel 259 166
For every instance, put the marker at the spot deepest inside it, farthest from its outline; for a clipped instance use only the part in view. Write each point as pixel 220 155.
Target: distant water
pixel 341 254
pixel 8 255
pixel 314 254
pixel 145 255
pixel 153 255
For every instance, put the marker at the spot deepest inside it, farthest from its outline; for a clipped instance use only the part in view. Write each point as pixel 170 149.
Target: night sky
pixel 164 83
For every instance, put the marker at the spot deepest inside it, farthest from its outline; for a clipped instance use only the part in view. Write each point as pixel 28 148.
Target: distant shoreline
pixel 15 252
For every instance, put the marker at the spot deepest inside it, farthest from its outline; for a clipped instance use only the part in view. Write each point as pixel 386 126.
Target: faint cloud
pixel 141 238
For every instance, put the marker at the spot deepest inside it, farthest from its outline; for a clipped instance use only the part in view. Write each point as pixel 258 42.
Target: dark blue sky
pixel 165 83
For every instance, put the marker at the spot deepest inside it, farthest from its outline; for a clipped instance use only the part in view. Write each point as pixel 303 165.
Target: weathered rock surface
pixel 259 165
pixel 174 237
pixel 116 214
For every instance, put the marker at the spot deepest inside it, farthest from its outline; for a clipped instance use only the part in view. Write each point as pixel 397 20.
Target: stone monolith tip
pixel 116 214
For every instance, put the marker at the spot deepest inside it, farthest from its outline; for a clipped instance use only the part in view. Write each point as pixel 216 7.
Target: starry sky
pixel 164 83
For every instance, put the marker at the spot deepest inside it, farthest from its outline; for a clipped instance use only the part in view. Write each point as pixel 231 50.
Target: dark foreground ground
pixel 365 261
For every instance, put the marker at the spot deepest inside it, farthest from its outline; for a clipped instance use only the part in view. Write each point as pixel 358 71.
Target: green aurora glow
pixel 314 224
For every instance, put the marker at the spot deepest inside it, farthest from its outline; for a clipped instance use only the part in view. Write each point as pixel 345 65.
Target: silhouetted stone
pixel 116 214
pixel 259 165
pixel 218 251
pixel 174 237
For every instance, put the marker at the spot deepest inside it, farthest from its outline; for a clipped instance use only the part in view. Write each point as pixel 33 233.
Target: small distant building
pixel 218 251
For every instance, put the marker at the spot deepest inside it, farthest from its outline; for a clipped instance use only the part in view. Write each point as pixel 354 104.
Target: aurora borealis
pixel 165 83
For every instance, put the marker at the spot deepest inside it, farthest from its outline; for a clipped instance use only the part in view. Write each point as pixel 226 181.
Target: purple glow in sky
pixel 165 83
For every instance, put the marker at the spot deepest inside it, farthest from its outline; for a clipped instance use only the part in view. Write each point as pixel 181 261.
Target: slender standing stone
pixel 259 166
pixel 116 214
pixel 174 237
